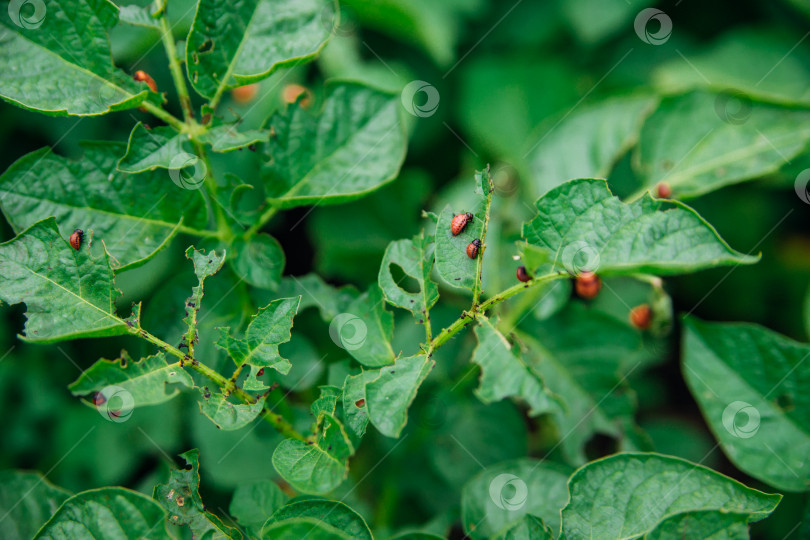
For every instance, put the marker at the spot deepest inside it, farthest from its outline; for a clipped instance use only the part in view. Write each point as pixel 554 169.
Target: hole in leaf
pixel 785 402
pixel 403 280
pixel 600 445
pixel 207 46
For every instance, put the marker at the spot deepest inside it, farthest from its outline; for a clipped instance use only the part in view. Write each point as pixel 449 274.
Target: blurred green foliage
pixel 509 75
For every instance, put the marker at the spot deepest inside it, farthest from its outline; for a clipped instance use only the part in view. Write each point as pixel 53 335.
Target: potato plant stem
pixel 174 66
pixel 167 117
pixel 466 317
pixel 488 204
pixel 276 420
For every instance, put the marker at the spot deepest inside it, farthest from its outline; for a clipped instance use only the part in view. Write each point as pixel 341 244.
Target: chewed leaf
pixel 628 495
pixel 134 214
pixel 505 374
pixel 205 265
pixel 269 328
pixel 231 45
pixel 588 229
pixel 354 145
pixel 229 416
pixel 69 294
pixel 147 380
pixel 452 262
pixel 413 258
pixel 36 61
pixel 181 497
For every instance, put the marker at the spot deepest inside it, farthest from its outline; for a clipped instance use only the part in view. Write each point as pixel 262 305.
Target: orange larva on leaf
pixel 460 222
pixel 359 403
pixel 664 190
pixel 142 76
pixel 641 316
pixel 588 285
pixel 76 239
pixel 522 274
pixel 245 94
pixel 473 247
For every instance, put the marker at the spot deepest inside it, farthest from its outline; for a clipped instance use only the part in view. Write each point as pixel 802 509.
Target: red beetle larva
pixel 460 222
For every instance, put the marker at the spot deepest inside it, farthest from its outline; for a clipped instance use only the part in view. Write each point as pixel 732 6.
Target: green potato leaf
pixel 587 228
pixel 333 513
pixel 496 497
pixel 69 294
pixel 452 263
pixel 354 145
pixel 148 380
pixel 504 373
pixel 366 329
pixel 229 416
pixel 755 396
pixel 226 138
pixel 316 467
pixel 27 501
pixel 269 328
pixel 304 527
pixel 259 261
pixel 180 496
pixel 112 513
pixel 390 394
pixel 64 46
pixel 528 528
pixel 134 214
pixel 253 503
pixel 712 524
pixel 234 44
pixel 413 258
pixel 585 358
pixel 160 147
pixel 700 142
pixel 628 495
pixel 588 142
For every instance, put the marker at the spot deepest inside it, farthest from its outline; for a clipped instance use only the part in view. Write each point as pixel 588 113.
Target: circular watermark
pixel 508 492
pixel 348 331
pixel 182 176
pixel 114 403
pixel 433 413
pixel 733 107
pixel 28 14
pixel 420 107
pixel 749 427
pixel 506 179
pixel 341 22
pixel 579 256
pixel 801 186
pixel 642 26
